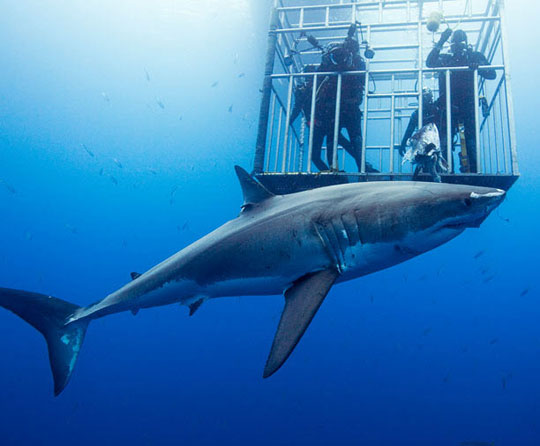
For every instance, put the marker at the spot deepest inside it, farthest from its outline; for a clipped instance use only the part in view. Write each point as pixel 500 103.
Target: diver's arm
pixel 434 59
pixel 486 73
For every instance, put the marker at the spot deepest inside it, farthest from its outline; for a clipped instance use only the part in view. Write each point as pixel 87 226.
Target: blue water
pixel 440 350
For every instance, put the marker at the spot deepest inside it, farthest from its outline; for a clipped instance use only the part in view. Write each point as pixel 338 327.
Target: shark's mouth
pixel 461 223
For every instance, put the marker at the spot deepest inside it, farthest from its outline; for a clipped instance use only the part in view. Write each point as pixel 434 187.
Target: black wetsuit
pixel 322 126
pixel 350 117
pixel 462 95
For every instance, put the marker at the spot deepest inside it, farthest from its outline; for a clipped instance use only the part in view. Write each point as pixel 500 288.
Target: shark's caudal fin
pixel 48 315
pixel 302 301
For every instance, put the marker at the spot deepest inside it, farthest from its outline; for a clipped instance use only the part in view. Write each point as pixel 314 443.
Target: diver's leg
pixel 469 123
pixel 318 138
pixel 352 122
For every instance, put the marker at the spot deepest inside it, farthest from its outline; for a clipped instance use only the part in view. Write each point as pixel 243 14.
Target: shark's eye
pixel 467 202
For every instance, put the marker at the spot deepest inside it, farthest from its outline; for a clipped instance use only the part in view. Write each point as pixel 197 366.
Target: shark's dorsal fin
pixel 254 192
pixel 135 275
pixel 302 301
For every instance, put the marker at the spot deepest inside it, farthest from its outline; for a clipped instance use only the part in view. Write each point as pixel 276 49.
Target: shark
pixel 297 245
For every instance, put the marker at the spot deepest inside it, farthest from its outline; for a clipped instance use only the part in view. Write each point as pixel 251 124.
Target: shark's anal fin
pixel 302 301
pixel 195 306
pixel 135 275
pixel 254 192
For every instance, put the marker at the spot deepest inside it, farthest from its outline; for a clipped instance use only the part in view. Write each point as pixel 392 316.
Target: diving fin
pixel 48 315
pixel 302 300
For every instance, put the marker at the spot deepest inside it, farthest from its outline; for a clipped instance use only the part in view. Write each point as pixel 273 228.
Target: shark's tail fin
pixel 49 315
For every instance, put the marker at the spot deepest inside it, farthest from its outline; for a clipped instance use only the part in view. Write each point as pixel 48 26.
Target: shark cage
pixel 393 39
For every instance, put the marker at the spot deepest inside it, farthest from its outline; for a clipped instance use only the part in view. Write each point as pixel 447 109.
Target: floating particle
pixel 114 180
pixel 101 172
pixel 105 97
pixel 215 84
pixel 8 186
pixel 87 150
pixel 147 75
pixel 524 292
pixel 426 331
pixel 180 117
pixel 161 105
pixel 241 75
pixel 230 109
pixel 71 228
pixel 118 163
pixel 493 341
pixel 152 171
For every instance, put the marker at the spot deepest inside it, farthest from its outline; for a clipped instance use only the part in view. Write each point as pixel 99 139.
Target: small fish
pixel 87 150
pixel 185 226
pixel 489 279
pixel 171 201
pixel 479 254
pixel 230 109
pixel 446 378
pixel 426 331
pixel 241 75
pixel 173 191
pixel 28 235
pixel 524 292
pixel 180 117
pixel 101 172
pixel 147 75
pixel 114 180
pixel 371 298
pixel 161 105
pixel 215 84
pixel 118 163
pixel 124 243
pixel 71 228
pixel 503 382
pixel 152 171
pixel 423 277
pixel 493 341
pixel 8 186
pixel 105 96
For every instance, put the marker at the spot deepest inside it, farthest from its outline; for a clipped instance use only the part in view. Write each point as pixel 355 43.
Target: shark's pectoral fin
pixel 195 306
pixel 302 301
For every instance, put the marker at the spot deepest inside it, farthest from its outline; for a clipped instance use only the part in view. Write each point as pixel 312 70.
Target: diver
pixel 430 114
pixel 461 89
pixel 340 57
pixel 321 126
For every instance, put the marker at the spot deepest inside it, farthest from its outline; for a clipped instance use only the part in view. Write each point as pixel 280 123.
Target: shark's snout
pixel 475 207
